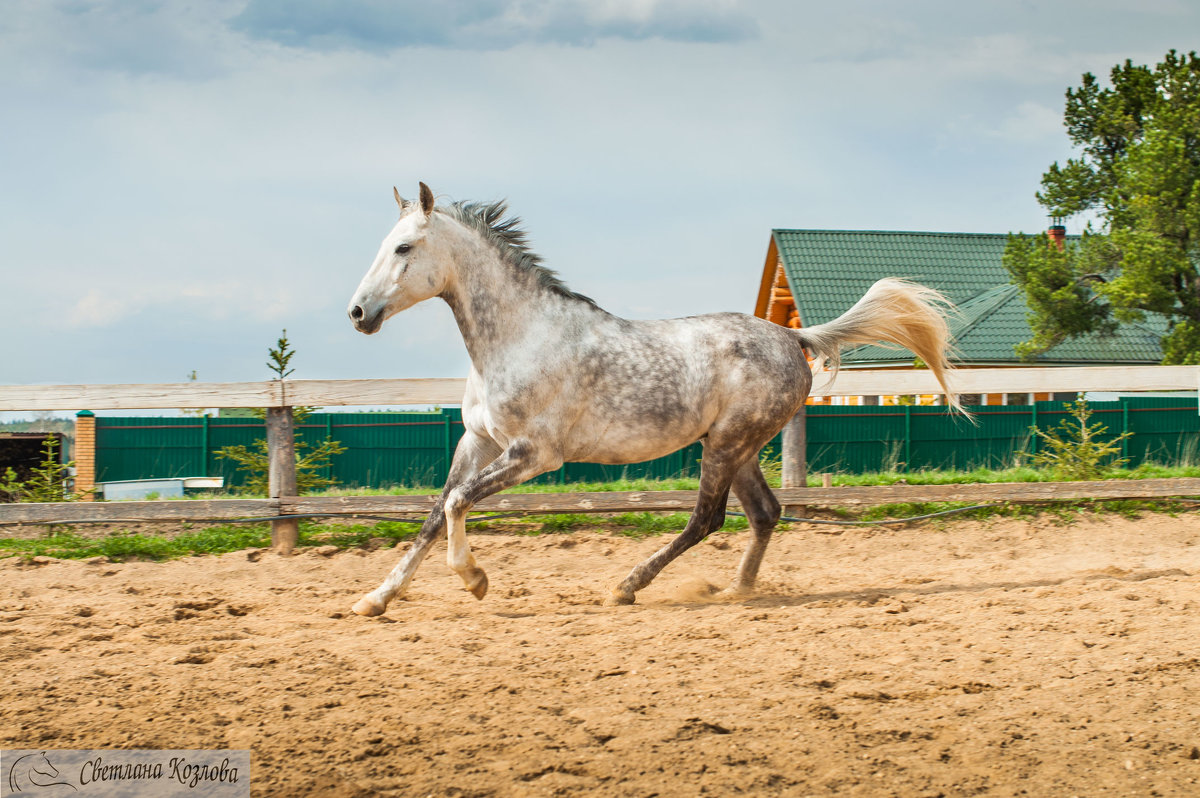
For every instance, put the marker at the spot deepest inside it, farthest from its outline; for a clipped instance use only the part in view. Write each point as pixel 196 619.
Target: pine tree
pixel 1138 170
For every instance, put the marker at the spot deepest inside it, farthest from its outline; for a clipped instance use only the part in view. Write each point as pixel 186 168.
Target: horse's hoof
pixel 369 607
pixel 618 599
pixel 735 593
pixel 478 584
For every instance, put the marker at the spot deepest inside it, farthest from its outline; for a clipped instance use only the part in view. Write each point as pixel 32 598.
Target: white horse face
pixel 407 270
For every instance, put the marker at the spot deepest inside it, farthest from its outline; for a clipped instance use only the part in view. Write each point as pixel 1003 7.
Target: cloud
pixel 385 25
pixel 123 36
pixel 209 301
pixel 1031 121
pixel 96 309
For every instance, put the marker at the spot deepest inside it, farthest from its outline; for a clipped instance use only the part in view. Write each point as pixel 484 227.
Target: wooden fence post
pixel 794 457
pixel 281 449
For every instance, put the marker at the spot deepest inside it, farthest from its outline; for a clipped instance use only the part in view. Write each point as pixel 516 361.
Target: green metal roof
pixel 828 270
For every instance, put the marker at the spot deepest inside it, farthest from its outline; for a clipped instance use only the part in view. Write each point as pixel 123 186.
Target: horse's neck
pixel 498 310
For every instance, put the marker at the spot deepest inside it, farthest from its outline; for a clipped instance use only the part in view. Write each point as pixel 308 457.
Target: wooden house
pixel 813 276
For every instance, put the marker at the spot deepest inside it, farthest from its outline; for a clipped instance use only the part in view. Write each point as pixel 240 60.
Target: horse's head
pixel 406 271
pixel 42 767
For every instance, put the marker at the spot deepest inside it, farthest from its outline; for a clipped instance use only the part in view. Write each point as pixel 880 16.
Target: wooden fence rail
pixel 273 393
pixel 597 502
pixel 343 393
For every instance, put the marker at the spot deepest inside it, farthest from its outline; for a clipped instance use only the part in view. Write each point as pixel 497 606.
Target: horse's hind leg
pixel 762 511
pixel 474 451
pixel 716 473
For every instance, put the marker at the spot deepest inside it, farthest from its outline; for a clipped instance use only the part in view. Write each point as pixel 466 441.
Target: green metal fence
pixel 415 448
pixel 860 439
pixel 382 449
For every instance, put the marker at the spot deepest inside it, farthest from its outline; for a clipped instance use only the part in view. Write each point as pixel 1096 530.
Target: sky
pixel 180 181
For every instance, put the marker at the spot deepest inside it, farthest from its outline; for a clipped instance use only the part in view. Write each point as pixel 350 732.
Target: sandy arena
pixel 998 658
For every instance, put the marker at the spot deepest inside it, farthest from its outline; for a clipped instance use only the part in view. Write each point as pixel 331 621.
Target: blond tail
pixel 898 312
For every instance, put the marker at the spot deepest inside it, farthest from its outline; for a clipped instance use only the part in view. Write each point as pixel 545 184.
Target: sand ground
pixel 975 658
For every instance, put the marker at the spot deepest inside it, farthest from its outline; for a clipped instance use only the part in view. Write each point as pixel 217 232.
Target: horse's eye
pixel 404 249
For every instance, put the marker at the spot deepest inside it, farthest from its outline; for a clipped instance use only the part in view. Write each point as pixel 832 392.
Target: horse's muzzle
pixel 364 323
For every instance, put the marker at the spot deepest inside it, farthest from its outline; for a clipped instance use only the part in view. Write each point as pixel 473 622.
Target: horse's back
pixel 655 386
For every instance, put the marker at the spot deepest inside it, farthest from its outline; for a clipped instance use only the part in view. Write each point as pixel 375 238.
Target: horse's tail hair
pixel 895 311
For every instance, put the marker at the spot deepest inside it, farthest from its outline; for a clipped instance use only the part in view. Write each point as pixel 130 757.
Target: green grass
pixel 66 543
pixel 681 483
pixel 1064 511
pixel 643 524
pixel 939 477
pixel 928 477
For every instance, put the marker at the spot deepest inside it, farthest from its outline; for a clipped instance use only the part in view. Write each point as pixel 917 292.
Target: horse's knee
pixel 456 505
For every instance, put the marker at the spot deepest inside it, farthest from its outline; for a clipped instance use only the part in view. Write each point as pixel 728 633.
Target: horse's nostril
pixel 356 313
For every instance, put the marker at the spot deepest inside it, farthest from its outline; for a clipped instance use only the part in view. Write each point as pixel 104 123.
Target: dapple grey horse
pixel 555 378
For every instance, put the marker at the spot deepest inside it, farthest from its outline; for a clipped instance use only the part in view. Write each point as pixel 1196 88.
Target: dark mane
pixel 506 235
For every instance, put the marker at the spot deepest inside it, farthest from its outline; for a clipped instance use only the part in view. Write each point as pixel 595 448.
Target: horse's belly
pixel 618 447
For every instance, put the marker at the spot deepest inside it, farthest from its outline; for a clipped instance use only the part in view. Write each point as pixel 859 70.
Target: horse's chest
pixel 505 418
pixel 513 408
pixel 479 419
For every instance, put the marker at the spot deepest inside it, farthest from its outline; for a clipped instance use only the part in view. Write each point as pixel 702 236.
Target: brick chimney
pixel 1057 232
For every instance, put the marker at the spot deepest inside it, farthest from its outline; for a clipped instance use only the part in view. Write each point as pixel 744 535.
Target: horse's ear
pixel 399 199
pixel 426 199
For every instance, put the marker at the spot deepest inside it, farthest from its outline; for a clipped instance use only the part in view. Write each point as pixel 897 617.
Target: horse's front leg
pixel 375 602
pixel 474 452
pixel 521 461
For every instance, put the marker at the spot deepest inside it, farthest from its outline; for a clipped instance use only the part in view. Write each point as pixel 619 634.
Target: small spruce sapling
pixel 47 480
pixel 254 460
pixel 11 487
pixel 1076 449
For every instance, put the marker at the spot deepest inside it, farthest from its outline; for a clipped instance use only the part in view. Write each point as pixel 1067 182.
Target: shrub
pixel 1074 450
pixel 47 480
pixel 255 463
